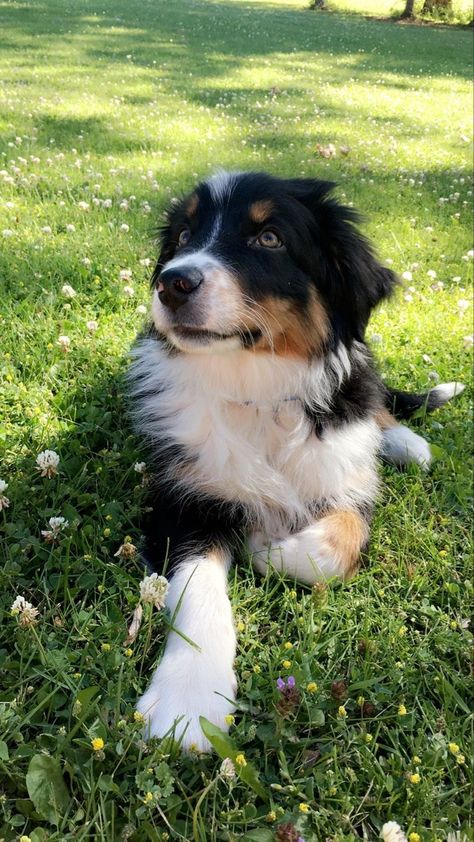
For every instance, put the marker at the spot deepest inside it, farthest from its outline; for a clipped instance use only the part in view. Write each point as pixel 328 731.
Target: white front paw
pixel 182 690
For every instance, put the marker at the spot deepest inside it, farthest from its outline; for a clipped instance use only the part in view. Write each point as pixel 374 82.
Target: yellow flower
pixel 360 701
pixel 97 743
pixel 229 719
pixel 286 664
pixel 293 594
pixel 304 808
pixel 240 760
pixel 414 837
pixel 148 797
pixel 460 759
pixel 332 790
pixel 128 653
pixel 416 759
pixel 240 626
pixel 402 631
pixel 454 748
pixel 271 816
pixel 106 647
pixel 342 712
pixel 25 839
pixel 453 624
pixel 368 738
pixel 287 645
pixel 77 675
pixel 106 532
pixel 312 687
pixel 402 711
pixel 138 717
pixel 415 778
pixel 257 669
pixel 443 553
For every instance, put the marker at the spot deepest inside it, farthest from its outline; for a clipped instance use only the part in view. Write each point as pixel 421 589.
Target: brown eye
pixel 269 240
pixel 184 237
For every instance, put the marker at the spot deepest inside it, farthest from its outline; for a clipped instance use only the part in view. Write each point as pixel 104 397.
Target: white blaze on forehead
pixel 200 259
pixel 222 184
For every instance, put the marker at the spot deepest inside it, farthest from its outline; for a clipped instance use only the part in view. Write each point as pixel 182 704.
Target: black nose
pixel 176 285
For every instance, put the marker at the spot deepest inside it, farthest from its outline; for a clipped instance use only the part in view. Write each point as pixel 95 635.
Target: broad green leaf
pixel 46 787
pixel 225 747
pixel 3 750
pixel 259 835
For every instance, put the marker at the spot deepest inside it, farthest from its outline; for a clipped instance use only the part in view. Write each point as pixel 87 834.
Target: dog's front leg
pixel 195 676
pixel 329 547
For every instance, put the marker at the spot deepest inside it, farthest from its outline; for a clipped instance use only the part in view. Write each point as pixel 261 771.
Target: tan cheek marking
pixel 261 210
pixel 346 535
pixel 385 419
pixel 192 204
pixel 294 334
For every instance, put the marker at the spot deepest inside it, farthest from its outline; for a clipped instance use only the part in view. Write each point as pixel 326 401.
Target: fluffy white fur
pixel 194 680
pixel 401 446
pixel 249 443
pixel 305 556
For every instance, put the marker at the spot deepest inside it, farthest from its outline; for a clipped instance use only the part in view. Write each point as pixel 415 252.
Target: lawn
pixel 108 111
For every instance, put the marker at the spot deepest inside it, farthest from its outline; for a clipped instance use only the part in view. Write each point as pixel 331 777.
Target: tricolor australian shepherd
pixel 264 414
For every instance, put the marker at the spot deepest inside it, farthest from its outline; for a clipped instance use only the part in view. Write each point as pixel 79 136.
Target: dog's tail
pixel 403 405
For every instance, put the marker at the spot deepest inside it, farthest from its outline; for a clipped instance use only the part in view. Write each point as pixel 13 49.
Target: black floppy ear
pixel 347 273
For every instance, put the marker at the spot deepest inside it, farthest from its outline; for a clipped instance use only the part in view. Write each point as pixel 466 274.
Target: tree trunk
pixel 408 10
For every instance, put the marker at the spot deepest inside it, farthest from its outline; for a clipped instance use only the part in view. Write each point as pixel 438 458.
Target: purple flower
pixel 281 684
pixel 290 681
pixel 300 839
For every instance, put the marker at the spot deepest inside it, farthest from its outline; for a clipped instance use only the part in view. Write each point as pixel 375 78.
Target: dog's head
pixel 273 265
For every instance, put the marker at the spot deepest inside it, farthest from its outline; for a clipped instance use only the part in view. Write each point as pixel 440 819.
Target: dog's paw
pixel 182 690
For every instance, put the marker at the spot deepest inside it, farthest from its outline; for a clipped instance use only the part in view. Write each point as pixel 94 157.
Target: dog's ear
pixel 347 273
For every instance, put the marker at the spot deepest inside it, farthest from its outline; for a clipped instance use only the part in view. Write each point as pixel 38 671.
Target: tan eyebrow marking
pixel 261 210
pixel 192 204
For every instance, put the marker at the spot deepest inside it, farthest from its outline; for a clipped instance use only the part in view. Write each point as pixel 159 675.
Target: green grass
pixel 132 101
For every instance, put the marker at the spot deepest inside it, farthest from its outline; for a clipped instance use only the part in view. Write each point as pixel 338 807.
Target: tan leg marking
pixel 385 419
pixel 346 535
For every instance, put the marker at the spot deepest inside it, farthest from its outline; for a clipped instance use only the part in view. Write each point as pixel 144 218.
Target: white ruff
pixel 191 682
pixel 248 443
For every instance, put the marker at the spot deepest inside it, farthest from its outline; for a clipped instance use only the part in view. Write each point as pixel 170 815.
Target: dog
pixel 264 414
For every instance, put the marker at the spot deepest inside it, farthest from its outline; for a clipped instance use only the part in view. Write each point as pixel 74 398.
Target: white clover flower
pixel 408 297
pixel 140 467
pixel 463 304
pixel 468 341
pixel 407 276
pixel 107 203
pixel 46 229
pixel 83 206
pixel 27 615
pixel 392 832
pixel 470 254
pixel 86 261
pixel 4 501
pixel 128 291
pixel 92 325
pixel 7 232
pixel 145 261
pixel 124 227
pixel 141 310
pixel 68 291
pixel 227 769
pixel 57 525
pixel 154 589
pixel 70 228
pixel 125 275
pixel 47 462
pixel 64 343
pixel 431 273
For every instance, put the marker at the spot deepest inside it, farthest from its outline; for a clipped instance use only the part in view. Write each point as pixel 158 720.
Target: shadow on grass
pixel 207 39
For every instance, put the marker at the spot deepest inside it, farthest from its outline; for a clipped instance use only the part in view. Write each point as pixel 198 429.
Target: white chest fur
pixel 240 418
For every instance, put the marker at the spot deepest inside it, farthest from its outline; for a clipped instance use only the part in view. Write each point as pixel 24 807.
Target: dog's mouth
pixel 202 337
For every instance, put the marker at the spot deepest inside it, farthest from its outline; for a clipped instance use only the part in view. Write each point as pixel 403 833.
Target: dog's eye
pixel 269 240
pixel 184 237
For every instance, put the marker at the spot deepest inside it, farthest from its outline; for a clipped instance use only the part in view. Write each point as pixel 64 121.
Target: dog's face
pixel 267 264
